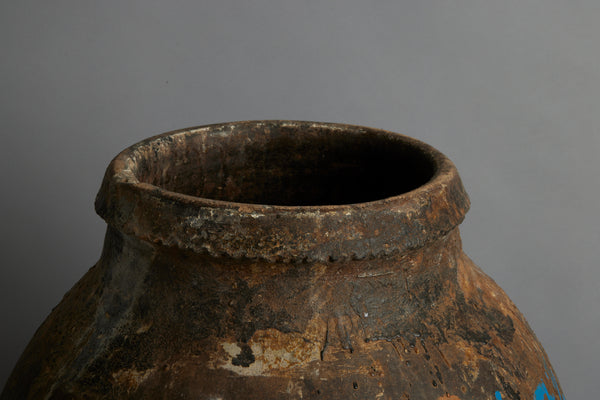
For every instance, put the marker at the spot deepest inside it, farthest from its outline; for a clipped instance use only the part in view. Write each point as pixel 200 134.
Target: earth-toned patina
pixel 283 260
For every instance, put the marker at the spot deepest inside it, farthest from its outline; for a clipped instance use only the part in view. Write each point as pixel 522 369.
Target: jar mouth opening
pixel 283 190
pixel 285 164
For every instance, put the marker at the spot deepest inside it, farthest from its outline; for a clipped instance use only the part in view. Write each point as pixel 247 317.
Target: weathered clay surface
pixel 230 299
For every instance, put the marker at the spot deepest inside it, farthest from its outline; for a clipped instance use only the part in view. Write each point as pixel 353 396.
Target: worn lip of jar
pixel 330 232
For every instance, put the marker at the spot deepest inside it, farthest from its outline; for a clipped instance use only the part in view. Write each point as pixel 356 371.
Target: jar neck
pixel 437 257
pixel 151 191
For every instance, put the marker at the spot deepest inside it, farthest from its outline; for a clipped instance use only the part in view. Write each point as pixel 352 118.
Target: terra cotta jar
pixel 283 260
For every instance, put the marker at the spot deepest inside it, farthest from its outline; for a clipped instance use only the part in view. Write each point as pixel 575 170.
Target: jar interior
pixel 286 165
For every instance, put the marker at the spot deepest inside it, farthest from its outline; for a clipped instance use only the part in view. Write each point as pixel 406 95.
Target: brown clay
pixel 283 260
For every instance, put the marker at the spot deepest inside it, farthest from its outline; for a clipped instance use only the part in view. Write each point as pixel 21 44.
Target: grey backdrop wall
pixel 509 90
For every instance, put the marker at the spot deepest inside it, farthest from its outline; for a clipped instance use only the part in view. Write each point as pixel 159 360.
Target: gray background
pixel 509 90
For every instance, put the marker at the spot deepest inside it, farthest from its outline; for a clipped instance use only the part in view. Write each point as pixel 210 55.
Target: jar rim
pixel 275 232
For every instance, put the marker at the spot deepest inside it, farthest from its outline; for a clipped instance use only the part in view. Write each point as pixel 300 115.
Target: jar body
pixel 283 260
pixel 153 322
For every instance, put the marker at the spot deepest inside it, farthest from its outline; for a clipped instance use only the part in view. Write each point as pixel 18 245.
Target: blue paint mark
pixel 555 384
pixel 541 391
pixel 554 381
